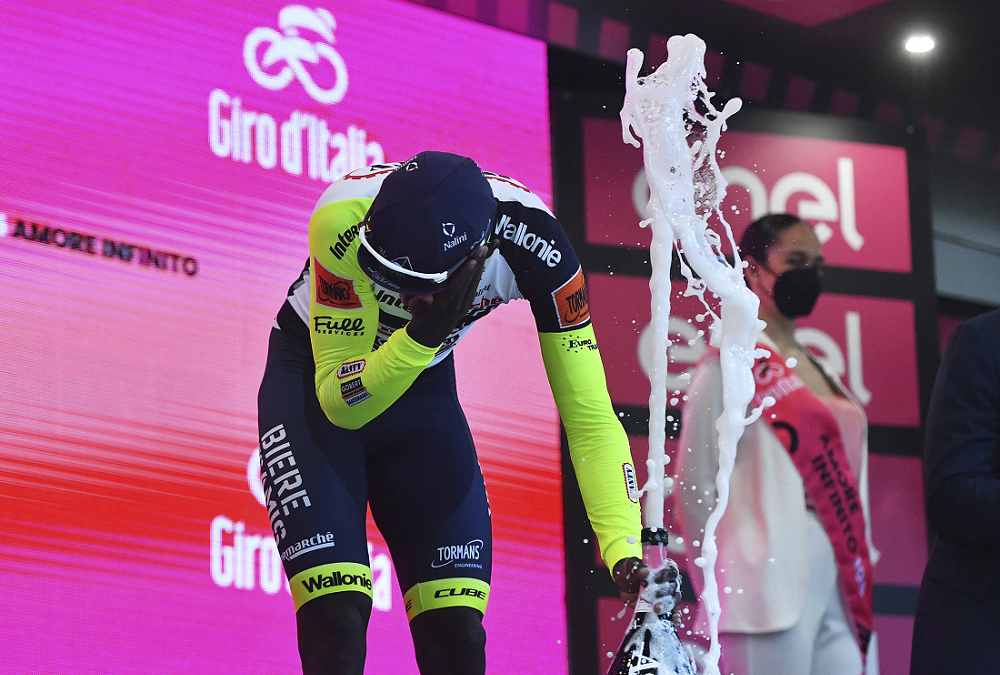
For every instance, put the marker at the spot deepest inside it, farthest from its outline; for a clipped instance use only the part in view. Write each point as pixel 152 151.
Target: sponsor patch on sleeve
pixel 357 397
pixel 572 305
pixel 353 391
pixel 334 291
pixel 630 482
pixel 351 368
pixel 350 386
pixel 575 345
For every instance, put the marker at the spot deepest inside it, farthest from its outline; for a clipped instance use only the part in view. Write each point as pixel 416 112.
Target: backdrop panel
pixel 860 185
pixel 160 162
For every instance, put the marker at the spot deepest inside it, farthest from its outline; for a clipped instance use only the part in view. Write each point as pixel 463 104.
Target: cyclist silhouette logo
pixel 275 59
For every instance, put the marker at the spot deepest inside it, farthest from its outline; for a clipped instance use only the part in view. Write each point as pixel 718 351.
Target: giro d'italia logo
pixel 275 59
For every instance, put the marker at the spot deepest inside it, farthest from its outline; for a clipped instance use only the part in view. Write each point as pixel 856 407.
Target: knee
pixel 331 633
pixel 450 640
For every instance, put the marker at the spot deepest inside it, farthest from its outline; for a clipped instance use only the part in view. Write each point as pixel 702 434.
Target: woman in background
pixel 795 553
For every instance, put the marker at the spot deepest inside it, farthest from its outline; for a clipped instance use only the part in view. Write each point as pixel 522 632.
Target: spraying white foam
pixel 672 112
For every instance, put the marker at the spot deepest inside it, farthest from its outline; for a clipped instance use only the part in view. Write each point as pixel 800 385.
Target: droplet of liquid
pixel 631 540
pixel 700 562
pixel 727 589
pixel 679 539
pixel 610 655
pixel 791 362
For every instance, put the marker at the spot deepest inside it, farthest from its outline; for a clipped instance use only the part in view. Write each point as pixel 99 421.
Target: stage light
pixel 918 44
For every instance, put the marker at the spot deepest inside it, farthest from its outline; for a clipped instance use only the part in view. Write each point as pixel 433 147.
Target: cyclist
pixel 358 404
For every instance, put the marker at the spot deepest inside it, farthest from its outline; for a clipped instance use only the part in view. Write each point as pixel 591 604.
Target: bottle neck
pixel 654 555
pixel 654 547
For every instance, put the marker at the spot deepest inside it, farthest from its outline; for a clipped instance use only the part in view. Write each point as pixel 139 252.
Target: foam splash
pixel 671 110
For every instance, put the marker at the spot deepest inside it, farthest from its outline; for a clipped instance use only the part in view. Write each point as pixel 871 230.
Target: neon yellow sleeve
pixel 353 383
pixel 598 445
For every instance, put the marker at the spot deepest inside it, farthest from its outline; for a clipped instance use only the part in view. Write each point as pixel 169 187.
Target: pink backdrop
pixel 870 342
pixel 155 195
pixel 856 194
pixel 857 197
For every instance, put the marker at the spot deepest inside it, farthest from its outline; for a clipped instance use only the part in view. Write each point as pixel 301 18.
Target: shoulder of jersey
pixel 509 190
pixel 358 184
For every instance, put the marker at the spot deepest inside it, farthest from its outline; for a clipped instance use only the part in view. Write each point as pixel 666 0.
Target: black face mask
pixel 796 291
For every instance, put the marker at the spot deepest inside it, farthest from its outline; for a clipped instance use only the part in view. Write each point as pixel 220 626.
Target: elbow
pixel 337 418
pixel 347 422
pixel 962 511
pixel 939 512
pixel 339 414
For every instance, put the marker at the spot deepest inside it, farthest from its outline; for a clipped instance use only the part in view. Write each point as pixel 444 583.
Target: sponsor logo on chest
pixel 520 235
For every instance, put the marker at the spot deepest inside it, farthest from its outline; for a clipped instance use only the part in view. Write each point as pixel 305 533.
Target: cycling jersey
pixel 365 360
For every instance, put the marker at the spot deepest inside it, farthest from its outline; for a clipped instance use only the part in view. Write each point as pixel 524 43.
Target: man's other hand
pixel 435 316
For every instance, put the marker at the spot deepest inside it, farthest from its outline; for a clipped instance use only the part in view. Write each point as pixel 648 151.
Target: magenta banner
pixel 160 162
pixel 856 195
pixel 849 179
pixel 868 342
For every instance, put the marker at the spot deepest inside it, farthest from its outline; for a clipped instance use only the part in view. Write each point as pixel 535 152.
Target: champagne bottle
pixel 651 645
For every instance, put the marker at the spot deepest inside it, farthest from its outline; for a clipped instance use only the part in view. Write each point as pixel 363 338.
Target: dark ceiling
pixel 859 49
pixel 808 13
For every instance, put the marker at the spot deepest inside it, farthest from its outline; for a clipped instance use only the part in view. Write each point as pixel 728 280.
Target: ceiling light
pixel 919 44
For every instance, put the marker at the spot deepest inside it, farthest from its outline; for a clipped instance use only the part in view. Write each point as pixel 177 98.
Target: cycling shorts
pixel 415 465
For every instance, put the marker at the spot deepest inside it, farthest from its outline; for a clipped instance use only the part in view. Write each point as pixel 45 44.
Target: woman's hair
pixel 763 232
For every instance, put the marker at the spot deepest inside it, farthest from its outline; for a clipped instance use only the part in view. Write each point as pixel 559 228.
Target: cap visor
pixel 395 281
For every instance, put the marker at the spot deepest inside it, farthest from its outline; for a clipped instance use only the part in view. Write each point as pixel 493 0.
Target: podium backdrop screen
pixel 159 164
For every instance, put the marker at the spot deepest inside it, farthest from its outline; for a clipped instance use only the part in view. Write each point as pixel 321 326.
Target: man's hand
pixel 435 316
pixel 631 575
